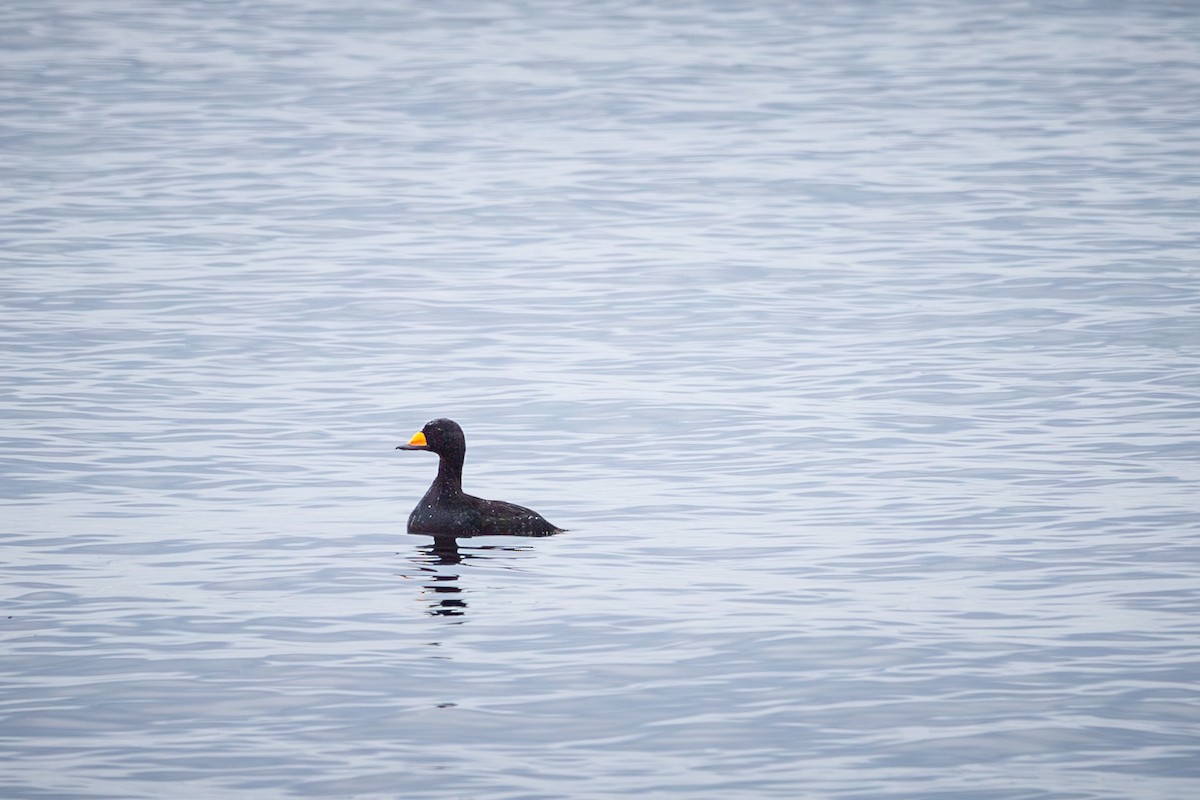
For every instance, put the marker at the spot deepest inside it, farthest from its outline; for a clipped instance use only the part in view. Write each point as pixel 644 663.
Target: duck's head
pixel 438 436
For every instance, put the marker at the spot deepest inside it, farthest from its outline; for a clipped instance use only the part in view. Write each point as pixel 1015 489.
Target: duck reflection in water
pixel 442 589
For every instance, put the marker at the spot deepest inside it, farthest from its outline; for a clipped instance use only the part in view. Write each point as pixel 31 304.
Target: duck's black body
pixel 447 511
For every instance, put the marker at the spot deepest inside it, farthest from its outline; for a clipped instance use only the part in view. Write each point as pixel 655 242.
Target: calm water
pixel 856 343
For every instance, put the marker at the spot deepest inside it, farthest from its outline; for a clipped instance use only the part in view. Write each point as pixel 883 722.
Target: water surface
pixel 855 344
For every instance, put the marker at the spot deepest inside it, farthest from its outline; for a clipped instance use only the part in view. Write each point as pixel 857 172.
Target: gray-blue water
pixel 856 343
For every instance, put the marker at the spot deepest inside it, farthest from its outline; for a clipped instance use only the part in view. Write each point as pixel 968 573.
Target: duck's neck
pixel 449 477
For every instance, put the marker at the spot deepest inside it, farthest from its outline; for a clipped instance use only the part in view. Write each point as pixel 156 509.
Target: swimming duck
pixel 446 510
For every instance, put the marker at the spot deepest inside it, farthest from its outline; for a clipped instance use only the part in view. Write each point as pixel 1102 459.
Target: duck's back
pixel 466 515
pixel 510 519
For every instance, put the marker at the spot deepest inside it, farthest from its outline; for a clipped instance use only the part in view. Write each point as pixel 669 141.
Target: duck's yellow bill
pixel 418 440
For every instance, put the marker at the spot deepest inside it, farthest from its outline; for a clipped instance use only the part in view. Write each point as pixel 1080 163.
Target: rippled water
pixel 855 343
